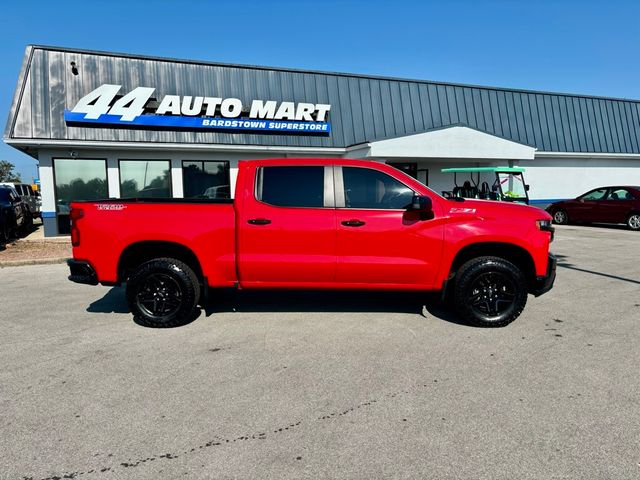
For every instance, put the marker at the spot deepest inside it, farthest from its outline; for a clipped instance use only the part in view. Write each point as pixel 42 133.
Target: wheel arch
pixel 515 254
pixel 138 253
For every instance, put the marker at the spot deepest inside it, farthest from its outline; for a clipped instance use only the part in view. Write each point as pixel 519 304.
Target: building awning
pixel 457 142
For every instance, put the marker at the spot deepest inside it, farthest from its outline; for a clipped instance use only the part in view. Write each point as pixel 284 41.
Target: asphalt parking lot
pixel 325 385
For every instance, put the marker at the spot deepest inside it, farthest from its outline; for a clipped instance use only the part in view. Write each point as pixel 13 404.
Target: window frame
pixel 186 160
pixel 328 186
pixel 340 190
pixel 168 160
pixel 604 197
pixel 55 183
pixel 615 189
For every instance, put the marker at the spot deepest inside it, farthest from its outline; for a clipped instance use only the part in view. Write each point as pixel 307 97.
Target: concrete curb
pixel 39 261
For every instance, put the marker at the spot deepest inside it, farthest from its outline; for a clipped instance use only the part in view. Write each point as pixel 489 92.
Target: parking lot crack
pixel 218 441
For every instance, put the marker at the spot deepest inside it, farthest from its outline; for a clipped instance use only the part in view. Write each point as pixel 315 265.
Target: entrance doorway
pixel 410 168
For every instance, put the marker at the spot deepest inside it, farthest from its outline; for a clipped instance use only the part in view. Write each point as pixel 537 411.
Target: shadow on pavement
pixel 229 300
pixel 564 263
pixel 113 302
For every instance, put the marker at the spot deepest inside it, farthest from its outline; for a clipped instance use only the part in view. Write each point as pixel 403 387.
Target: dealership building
pixel 106 124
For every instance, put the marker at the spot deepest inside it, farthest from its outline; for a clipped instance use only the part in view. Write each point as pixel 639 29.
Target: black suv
pixel 15 217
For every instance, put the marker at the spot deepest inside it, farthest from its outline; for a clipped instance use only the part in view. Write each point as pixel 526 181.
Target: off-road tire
pixel 27 226
pixel 5 233
pixel 489 292
pixel 633 221
pixel 176 289
pixel 560 217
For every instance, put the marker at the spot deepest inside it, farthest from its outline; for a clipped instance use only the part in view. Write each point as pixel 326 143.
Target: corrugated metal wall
pixel 363 109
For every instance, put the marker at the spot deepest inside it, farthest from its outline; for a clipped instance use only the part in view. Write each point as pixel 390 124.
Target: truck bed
pixel 206 225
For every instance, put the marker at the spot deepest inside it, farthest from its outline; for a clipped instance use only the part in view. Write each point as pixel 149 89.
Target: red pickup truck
pixel 315 224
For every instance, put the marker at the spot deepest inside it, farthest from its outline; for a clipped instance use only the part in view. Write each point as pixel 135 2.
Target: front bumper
pixel 82 272
pixel 545 283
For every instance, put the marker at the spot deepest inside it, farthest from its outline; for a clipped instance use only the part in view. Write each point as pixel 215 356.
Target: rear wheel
pixel 163 293
pixel 490 292
pixel 633 222
pixel 560 217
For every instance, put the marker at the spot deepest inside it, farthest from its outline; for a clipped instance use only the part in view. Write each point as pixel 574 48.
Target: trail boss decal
pixel 138 109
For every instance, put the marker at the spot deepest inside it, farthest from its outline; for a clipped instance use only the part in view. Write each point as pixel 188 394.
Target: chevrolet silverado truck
pixel 315 224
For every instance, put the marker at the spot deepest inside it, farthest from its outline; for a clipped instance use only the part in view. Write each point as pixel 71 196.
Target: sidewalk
pixel 35 249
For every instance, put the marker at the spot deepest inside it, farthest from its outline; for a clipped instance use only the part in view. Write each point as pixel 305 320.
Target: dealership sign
pixel 138 109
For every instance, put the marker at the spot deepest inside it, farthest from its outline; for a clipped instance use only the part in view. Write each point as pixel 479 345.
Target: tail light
pixel 75 215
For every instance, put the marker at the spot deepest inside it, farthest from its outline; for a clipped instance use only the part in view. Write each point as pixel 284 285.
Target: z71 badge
pixel 462 210
pixel 110 206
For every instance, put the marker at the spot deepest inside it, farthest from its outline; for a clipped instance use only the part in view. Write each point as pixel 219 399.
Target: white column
pixel 113 177
pixel 176 178
pixel 47 185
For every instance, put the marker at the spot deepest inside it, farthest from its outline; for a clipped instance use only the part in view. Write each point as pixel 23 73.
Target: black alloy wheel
pixel 490 292
pixel 163 293
pixel 159 295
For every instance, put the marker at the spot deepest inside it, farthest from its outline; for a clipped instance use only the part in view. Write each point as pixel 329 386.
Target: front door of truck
pixel 287 227
pixel 381 243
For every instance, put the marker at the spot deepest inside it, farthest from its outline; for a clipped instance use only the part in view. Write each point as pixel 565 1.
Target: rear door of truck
pixel 286 225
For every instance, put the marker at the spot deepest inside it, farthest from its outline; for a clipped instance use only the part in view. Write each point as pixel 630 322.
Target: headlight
pixel 545 226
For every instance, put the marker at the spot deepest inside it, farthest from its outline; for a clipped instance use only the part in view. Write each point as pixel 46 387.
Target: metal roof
pixel 364 108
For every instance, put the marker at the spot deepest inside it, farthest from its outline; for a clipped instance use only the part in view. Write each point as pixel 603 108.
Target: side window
pixel 367 188
pixel 291 186
pixel 595 195
pixel 620 194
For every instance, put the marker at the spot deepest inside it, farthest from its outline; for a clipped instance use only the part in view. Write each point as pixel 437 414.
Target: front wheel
pixel 490 292
pixel 633 222
pixel 163 293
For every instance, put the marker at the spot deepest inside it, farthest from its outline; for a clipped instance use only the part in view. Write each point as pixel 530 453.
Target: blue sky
pixel 563 46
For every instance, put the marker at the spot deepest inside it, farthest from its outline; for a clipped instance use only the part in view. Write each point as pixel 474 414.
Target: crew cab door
pixel 381 243
pixel 287 227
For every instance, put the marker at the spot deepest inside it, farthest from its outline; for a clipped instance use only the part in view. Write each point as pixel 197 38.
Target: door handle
pixel 353 223
pixel 259 221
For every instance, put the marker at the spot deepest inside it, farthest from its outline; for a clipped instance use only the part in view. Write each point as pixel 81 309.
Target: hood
pixel 494 209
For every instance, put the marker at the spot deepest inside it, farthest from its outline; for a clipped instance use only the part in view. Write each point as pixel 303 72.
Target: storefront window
pixel 206 179
pixel 145 178
pixel 77 179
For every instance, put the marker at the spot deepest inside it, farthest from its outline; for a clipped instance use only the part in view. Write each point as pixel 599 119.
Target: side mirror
pixel 526 188
pixel 421 203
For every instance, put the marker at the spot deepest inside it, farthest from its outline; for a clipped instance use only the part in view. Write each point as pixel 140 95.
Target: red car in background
pixel 603 204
